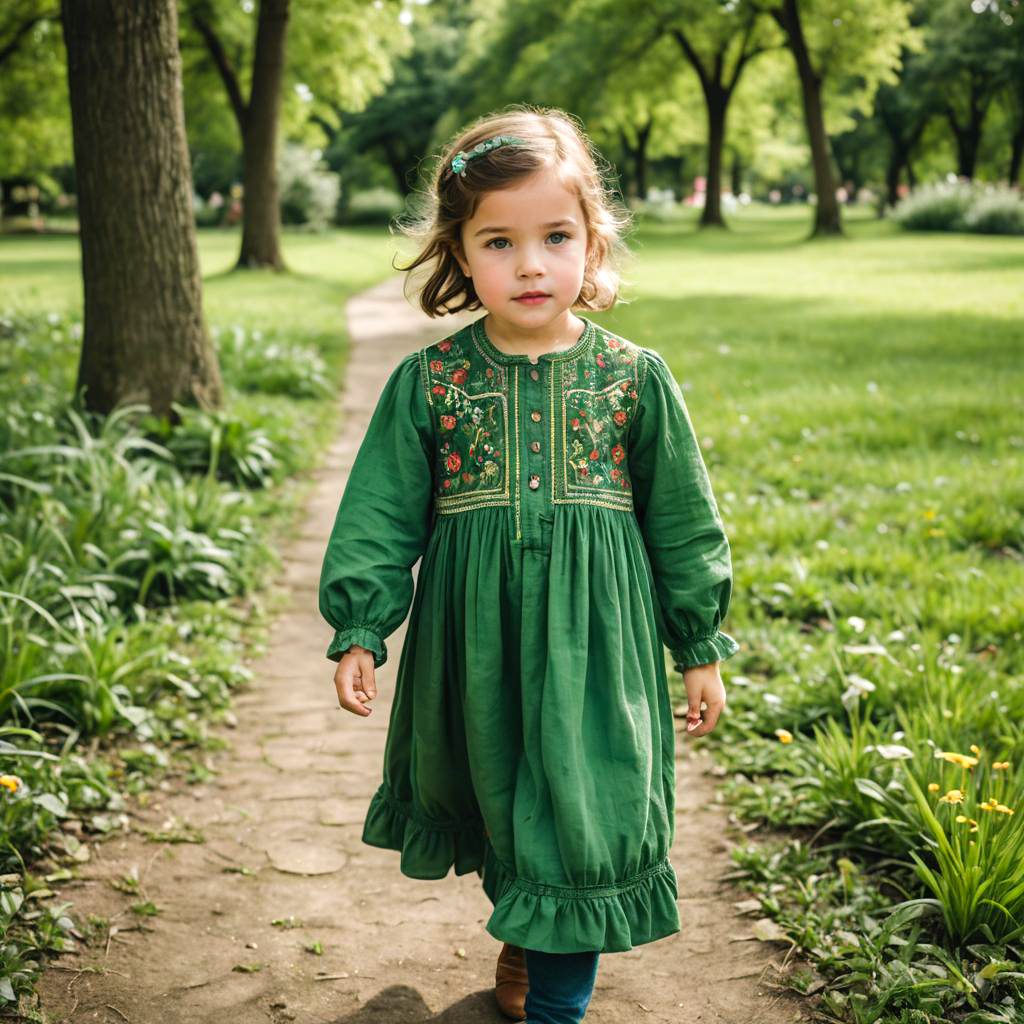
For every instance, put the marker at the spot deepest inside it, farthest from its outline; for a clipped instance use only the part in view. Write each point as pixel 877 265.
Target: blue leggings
pixel 561 985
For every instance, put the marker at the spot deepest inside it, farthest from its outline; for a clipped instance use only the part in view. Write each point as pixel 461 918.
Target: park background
pixel 827 249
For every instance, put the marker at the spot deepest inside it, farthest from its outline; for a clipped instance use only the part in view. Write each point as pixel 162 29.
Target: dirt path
pixel 288 806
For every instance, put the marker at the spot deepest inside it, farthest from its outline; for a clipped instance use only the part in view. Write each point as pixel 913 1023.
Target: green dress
pixel 567 530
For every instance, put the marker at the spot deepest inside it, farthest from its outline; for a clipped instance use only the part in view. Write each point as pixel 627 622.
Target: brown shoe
pixel 511 982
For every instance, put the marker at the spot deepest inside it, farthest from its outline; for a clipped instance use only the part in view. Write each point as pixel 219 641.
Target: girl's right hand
pixel 354 680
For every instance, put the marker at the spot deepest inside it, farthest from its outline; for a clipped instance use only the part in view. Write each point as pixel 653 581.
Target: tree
pixel 338 55
pixel 841 48
pixel 145 337
pixel 970 52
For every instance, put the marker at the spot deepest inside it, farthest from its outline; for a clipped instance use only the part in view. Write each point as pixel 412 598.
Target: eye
pixel 493 240
pixel 562 233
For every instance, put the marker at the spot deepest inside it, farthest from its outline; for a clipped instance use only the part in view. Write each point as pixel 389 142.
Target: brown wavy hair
pixel 553 138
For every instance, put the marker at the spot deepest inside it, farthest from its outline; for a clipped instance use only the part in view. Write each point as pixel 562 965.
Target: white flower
pixel 858 687
pixel 894 751
pixel 856 623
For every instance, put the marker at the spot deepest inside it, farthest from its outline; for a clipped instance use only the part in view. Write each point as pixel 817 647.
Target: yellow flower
pixel 1003 809
pixel 988 805
pixel 933 787
pixel 954 796
pixel 785 736
pixel 974 825
pixel 975 749
pixel 964 760
pixel 1000 766
pixel 961 818
pixel 12 782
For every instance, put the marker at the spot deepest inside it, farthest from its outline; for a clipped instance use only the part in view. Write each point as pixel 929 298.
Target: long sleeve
pixel 383 521
pixel 680 522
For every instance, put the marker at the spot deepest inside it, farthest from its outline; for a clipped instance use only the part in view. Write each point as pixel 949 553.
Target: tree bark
pixel 261 214
pixel 145 338
pixel 827 218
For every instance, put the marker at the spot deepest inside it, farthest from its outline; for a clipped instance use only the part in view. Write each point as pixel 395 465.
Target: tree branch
pixel 222 63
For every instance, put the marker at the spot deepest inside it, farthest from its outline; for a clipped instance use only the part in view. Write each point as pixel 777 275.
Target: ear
pixel 460 258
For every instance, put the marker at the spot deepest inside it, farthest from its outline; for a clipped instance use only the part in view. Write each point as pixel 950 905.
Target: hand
pixel 354 680
pixel 703 683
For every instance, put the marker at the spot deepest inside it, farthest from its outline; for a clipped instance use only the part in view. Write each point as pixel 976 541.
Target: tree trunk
pixel 827 219
pixel 736 175
pixel 643 135
pixel 717 104
pixel 261 214
pixel 145 339
pixel 967 138
pixel 1016 154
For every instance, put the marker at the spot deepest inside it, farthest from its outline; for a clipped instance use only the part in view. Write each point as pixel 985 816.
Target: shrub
pixel 961 206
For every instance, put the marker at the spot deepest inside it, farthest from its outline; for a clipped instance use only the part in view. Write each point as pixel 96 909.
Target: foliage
pixel 962 206
pixel 308 191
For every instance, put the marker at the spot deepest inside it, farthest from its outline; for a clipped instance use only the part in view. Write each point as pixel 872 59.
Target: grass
pixel 137 562
pixel 860 404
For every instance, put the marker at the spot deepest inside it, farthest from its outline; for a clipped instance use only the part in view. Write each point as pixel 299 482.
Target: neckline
pixel 479 333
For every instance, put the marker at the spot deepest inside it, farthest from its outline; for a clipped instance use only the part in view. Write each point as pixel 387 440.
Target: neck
pixel 560 334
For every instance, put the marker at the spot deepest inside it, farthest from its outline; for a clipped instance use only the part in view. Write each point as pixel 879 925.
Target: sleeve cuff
pixel 365 636
pixel 716 647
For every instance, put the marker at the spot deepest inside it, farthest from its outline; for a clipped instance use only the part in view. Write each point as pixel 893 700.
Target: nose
pixel 530 262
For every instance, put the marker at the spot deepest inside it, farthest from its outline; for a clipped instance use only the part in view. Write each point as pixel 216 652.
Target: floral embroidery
pixel 599 399
pixel 472 428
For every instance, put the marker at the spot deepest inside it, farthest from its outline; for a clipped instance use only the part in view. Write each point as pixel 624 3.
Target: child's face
pixel 541 247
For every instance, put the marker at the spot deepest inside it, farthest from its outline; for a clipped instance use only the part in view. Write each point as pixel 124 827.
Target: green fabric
pixel 531 736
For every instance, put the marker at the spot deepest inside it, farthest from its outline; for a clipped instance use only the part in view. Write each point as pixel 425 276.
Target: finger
pixel 710 720
pixel 345 683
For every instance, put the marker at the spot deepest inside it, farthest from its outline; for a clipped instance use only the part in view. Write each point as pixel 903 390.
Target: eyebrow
pixel 496 231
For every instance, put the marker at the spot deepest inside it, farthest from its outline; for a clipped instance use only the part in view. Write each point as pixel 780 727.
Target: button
pixel 535 374
pixel 535 415
pixel 535 446
pixel 534 481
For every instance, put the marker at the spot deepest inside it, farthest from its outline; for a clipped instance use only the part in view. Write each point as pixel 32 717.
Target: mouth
pixel 532 295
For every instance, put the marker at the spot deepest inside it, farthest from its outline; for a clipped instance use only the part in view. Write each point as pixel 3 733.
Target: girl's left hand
pixel 703 683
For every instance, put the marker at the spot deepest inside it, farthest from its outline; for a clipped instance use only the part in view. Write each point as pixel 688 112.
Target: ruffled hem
pixel 428 848
pixel 716 647
pixel 365 636
pixel 552 918
pixel 559 919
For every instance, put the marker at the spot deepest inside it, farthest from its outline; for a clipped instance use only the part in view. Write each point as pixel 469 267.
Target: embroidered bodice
pixel 511 431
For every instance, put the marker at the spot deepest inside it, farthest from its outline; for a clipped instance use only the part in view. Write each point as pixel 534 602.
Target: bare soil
pixel 282 822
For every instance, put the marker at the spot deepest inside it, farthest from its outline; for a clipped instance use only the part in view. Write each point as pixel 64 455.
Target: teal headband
pixel 458 165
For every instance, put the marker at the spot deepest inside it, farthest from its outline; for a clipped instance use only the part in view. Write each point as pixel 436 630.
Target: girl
pixel 547 472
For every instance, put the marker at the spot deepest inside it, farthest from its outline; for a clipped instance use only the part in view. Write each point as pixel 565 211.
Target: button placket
pixel 534 459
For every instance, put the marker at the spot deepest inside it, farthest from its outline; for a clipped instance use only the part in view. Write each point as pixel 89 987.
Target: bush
pixel 308 191
pixel 962 206
pixel 372 206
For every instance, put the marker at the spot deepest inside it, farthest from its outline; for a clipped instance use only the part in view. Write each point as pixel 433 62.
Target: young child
pixel 547 472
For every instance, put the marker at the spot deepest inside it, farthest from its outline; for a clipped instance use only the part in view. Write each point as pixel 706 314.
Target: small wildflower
pixel 1003 809
pixel 12 782
pixel 960 818
pixel 974 825
pixel 975 749
pixel 988 805
pixel 785 736
pixel 964 760
pixel 933 787
pixel 1000 766
pixel 954 796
